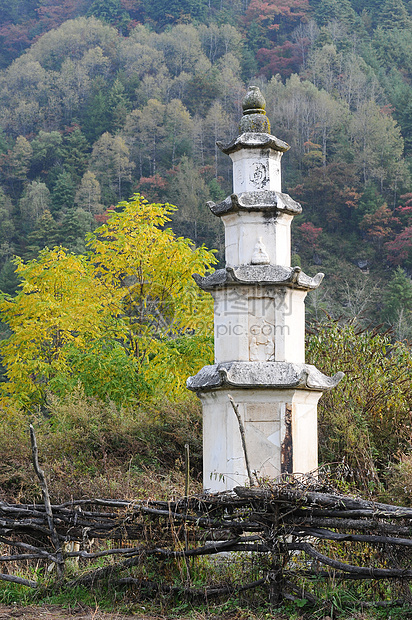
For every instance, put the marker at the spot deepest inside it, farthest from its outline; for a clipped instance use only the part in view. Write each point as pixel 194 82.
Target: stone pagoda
pixel 259 324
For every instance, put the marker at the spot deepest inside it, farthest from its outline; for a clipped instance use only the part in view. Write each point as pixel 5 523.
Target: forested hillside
pixel 103 102
pixel 103 99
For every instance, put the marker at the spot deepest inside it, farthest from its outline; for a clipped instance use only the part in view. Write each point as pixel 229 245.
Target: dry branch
pixel 281 521
pixel 205 593
pixel 19 580
pixel 369 572
pixel 46 498
pixel 243 438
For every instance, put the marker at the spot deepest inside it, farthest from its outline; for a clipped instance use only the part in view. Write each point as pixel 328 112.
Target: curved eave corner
pixel 262 275
pixel 256 201
pixel 253 141
pixel 270 375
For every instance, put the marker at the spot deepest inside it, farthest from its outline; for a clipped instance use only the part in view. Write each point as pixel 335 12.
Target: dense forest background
pixel 101 99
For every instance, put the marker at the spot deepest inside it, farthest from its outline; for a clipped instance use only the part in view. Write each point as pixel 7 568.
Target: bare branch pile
pixel 303 533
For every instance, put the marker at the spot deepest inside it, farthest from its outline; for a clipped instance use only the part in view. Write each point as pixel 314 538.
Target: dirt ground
pixel 55 612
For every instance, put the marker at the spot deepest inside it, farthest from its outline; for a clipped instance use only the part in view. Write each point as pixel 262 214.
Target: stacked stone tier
pixel 259 312
pixel 254 140
pixel 259 275
pixel 259 323
pixel 265 375
pixel 263 200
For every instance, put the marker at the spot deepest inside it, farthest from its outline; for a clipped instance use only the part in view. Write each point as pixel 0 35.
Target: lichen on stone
pixel 254 119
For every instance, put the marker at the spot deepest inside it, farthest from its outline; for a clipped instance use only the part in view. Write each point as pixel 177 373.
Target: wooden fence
pixel 304 531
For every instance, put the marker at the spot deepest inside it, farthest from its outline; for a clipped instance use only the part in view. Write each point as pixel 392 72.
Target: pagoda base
pixel 281 434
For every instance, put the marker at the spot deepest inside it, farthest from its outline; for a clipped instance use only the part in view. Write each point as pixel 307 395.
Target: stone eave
pixel 270 375
pixel 264 275
pixel 264 200
pixel 254 141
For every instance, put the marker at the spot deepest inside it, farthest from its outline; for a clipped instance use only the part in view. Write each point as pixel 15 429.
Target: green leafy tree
pixel 124 308
pixel 397 302
pixel 179 129
pixel 33 203
pixel 88 195
pixel 61 302
pixel 146 131
pixel 111 164
pixel 189 192
pixel 150 270
pixel 378 145
pixel 364 422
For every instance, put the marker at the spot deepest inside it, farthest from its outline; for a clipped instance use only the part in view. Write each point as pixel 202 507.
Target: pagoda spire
pixel 259 323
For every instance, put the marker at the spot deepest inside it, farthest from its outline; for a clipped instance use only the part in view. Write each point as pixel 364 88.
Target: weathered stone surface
pixel 281 434
pixel 257 123
pixel 244 229
pixel 264 200
pixel 249 140
pixel 254 101
pixel 259 323
pixel 262 375
pixel 254 117
pixel 269 275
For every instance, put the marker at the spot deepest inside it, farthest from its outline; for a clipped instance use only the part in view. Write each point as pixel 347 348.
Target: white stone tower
pixel 259 323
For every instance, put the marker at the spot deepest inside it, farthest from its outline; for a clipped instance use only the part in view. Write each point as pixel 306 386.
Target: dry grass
pixel 92 449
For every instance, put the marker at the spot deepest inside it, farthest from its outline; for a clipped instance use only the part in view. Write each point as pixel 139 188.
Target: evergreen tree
pixel 335 10
pixel 74 154
pixel 62 197
pixel 110 11
pixel 45 234
pixel 7 228
pixel 394 16
pixel 9 280
pixel 75 225
pixel 97 117
pixel 369 203
pixel 119 105
pixel 15 165
pixel 174 10
pixel 46 152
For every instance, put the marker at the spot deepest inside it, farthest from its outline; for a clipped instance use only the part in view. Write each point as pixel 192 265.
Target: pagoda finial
pixel 254 119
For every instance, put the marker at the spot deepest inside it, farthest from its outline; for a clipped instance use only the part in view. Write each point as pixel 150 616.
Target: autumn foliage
pixel 125 320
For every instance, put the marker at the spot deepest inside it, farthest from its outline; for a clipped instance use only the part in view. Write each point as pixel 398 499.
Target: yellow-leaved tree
pixel 125 321
pixel 167 321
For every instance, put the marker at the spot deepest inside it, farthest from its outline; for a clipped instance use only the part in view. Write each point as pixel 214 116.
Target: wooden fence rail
pixel 303 532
